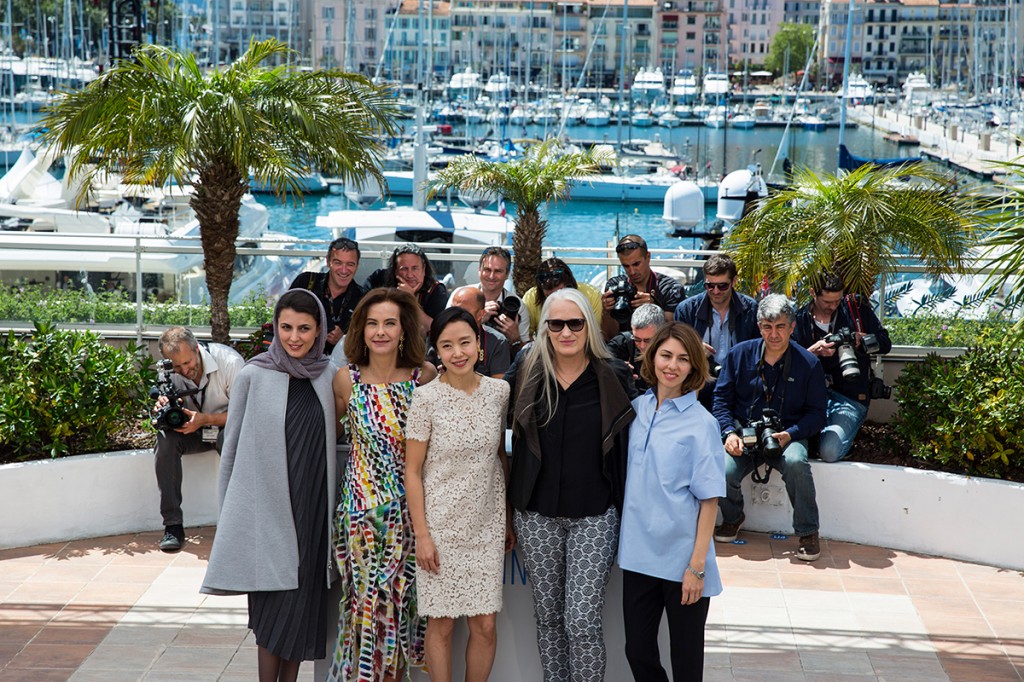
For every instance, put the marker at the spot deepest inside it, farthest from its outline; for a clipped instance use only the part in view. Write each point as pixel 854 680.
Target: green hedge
pixel 37 303
pixel 966 413
pixel 936 331
pixel 65 392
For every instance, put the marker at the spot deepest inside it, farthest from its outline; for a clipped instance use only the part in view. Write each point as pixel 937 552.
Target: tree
pixel 857 225
pixel 798 39
pixel 158 118
pixel 545 173
pixel 1003 248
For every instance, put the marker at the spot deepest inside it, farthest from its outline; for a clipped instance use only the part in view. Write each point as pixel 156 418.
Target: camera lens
pixel 510 306
pixel 848 362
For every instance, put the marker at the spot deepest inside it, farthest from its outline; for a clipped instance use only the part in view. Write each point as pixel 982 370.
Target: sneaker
pixel 727 532
pixel 174 538
pixel 810 548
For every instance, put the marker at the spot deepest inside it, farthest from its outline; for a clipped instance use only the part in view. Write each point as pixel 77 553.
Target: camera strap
pixel 854 307
pixel 783 378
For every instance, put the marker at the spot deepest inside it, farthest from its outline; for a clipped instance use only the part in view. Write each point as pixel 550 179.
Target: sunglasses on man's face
pixel 627 246
pixel 575 325
pixel 721 286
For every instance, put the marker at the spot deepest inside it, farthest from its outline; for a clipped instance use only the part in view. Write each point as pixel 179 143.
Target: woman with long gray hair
pixel 571 418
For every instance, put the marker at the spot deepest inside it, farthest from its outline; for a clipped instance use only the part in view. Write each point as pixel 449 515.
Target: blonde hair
pixel 543 352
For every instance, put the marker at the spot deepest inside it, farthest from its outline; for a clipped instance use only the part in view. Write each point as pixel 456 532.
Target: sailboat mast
pixel 622 71
pixel 846 74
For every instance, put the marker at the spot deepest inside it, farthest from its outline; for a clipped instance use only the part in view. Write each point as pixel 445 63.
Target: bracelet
pixel 699 574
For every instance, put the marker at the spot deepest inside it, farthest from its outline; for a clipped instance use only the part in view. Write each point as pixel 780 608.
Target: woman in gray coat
pixel 277 482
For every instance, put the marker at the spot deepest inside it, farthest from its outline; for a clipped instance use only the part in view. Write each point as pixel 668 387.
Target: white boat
pixel 715 86
pixel 596 116
pixel 499 85
pixel 464 85
pixel 684 87
pixel 811 122
pixel 648 85
pixel 858 89
pixel 44 239
pixel 742 122
pixel 641 119
pixel 648 187
pixel 311 183
pixel 917 88
pixel 520 116
pixel 762 110
pixel 669 120
pixel 715 118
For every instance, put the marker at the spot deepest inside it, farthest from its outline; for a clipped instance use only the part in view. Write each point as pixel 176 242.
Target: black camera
pixel 877 388
pixel 844 342
pixel 172 415
pixel 757 434
pixel 624 292
pixel 510 307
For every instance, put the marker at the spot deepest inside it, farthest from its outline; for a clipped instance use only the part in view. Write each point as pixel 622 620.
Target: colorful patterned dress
pixel 380 631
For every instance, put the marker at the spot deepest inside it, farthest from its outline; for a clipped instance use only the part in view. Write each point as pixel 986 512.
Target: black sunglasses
pixel 575 324
pixel 628 246
pixel 551 276
pixel 721 286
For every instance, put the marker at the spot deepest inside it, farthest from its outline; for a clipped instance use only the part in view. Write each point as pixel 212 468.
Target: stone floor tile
pixel 123 573
pixel 84 675
pixel 762 675
pixel 836 662
pixel 805 580
pixel 746 596
pixel 64 633
pixel 815 676
pixel 91 613
pixel 738 578
pixel 921 566
pixel 45 593
pixel 201 660
pixel 37 554
pixel 37 675
pixel 191 635
pixel 992 669
pixel 65 572
pixel 872 585
pixel 19 633
pixel 883 603
pixel 1010 587
pixel 907 666
pixel 126 633
pixel 9 650
pixel 842 621
pixel 123 657
pixel 17 613
pixel 35 656
pixel 952 588
pixel 816 599
pixel 867 568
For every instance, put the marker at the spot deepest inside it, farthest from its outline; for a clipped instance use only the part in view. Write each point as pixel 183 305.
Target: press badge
pixel 210 434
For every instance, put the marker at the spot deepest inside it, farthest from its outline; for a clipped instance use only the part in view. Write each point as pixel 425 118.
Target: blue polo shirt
pixel 743 385
pixel 676 460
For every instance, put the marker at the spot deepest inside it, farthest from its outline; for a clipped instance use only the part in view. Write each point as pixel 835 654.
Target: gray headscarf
pixel 309 367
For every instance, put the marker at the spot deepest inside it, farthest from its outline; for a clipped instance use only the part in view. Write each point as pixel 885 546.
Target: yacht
pixel 716 86
pixel 464 85
pixel 858 89
pixel 742 122
pixel 499 85
pixel 648 85
pixel 684 87
pixel 917 88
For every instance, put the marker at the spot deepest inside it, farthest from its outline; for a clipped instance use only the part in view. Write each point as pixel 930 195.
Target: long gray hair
pixel 543 352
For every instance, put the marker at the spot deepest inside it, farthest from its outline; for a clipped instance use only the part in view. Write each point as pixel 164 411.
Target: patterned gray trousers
pixel 568 561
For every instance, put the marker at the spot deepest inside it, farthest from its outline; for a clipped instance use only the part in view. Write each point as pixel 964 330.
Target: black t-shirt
pixel 666 293
pixel 571 482
pixel 339 309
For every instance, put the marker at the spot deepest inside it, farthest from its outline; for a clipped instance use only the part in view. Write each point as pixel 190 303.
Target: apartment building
pixel 692 36
pixel 751 27
pixel 524 39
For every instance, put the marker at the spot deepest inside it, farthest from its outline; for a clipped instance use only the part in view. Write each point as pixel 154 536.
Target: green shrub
pixel 38 303
pixel 966 413
pixel 937 331
pixel 64 392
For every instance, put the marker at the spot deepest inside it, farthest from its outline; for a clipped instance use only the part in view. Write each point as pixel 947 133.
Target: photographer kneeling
pixel 769 398
pixel 200 385
pixel 844 333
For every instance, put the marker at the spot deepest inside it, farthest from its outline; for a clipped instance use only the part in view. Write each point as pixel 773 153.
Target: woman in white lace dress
pixel 455 486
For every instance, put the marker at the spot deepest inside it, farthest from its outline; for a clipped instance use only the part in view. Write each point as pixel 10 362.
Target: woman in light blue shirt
pixel 675 475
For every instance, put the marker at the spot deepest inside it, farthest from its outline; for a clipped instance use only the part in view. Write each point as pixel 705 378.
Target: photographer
pixel 639 284
pixel 499 304
pixel 775 388
pixel 335 288
pixel 844 333
pixel 206 374
pixel 720 315
pixel 630 346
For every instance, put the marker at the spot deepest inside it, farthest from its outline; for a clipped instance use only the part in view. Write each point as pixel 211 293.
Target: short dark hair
pixel 343 244
pixel 547 271
pixel 301 302
pixel 829 282
pixel 450 316
pixel 499 251
pixel 720 264
pixel 391 276
pixel 626 244
pixel 692 344
pixel 414 349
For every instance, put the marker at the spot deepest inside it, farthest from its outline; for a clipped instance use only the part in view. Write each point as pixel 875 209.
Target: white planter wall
pixel 95 495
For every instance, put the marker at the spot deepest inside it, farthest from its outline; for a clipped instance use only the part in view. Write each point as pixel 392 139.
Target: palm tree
pixel 857 225
pixel 1003 249
pixel 158 117
pixel 545 173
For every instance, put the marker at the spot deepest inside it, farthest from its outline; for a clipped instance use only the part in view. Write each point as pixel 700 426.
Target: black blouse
pixel 571 483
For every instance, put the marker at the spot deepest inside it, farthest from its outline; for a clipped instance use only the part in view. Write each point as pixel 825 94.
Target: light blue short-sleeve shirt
pixel 676 459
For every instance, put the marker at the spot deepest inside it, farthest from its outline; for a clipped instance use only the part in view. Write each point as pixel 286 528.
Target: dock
pixel 978 153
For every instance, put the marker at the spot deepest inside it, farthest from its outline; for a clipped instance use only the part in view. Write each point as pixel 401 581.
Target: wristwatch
pixel 699 574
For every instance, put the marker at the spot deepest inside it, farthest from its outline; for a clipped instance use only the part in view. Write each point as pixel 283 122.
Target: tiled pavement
pixel 116 609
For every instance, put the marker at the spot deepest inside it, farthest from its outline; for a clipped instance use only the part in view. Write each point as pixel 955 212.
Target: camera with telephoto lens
pixel 510 306
pixel 757 434
pixel 844 340
pixel 624 292
pixel 877 389
pixel 172 415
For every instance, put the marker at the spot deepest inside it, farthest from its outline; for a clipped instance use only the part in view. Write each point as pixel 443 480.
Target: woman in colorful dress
pixel 675 475
pixel 380 631
pixel 277 486
pixel 455 482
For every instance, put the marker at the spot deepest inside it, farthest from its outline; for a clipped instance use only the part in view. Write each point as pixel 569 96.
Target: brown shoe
pixel 810 548
pixel 727 532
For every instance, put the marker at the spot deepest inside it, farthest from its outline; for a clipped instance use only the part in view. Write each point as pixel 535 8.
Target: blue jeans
pixel 843 419
pixel 796 474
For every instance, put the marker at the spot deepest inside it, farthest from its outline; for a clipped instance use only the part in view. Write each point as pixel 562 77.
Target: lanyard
pixel 783 378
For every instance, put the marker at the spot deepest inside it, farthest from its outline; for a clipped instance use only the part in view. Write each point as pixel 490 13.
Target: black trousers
pixel 170 447
pixel 644 599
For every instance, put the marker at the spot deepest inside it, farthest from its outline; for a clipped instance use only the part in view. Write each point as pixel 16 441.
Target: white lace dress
pixel 464 495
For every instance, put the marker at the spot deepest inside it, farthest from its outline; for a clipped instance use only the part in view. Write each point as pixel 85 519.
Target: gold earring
pixel 401 345
pixel 480 353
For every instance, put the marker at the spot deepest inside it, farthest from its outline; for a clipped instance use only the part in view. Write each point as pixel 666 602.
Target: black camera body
pixel 757 434
pixel 172 415
pixel 877 389
pixel 844 341
pixel 624 293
